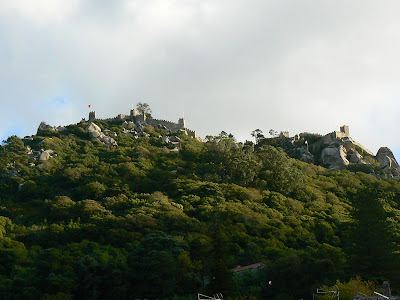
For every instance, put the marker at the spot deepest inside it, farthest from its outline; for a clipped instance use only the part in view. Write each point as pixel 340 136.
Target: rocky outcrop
pixel 46 155
pixel 93 129
pixel 97 135
pixel 387 161
pixel 334 157
pixel 356 158
pixel 128 125
pixel 44 126
pixel 171 140
pixel 41 154
pixel 306 156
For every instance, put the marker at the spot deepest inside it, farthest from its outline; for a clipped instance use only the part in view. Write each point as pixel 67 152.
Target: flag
pixel 89 105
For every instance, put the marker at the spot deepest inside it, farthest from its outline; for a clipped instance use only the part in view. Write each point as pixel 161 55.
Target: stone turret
pixel 134 113
pixel 182 122
pixel 92 116
pixel 345 129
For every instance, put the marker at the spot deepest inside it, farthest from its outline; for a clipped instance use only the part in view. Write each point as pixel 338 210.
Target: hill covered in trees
pixel 162 215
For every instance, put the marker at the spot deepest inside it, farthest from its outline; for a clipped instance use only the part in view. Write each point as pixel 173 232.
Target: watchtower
pixel 134 113
pixel 345 129
pixel 182 122
pixel 92 116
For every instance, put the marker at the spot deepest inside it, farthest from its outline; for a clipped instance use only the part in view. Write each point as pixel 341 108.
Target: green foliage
pixel 348 289
pixel 278 172
pixel 140 221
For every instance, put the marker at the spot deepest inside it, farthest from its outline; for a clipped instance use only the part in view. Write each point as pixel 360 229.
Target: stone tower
pixel 182 122
pixel 92 116
pixel 345 129
pixel 134 113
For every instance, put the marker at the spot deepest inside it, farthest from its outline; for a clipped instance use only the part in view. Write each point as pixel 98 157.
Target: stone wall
pixel 134 116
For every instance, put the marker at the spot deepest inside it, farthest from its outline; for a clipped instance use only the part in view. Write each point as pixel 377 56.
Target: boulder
pixel 109 141
pixel 130 125
pixel 46 155
pixel 356 158
pixel 349 146
pixel 44 126
pixel 60 128
pixel 174 139
pixel 95 134
pixel 165 139
pixel 145 135
pixel 92 127
pixel 334 158
pixel 387 161
pixel 306 156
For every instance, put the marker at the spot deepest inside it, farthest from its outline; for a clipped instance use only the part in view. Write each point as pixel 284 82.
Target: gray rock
pixel 92 127
pixel 60 128
pixel 109 141
pixel 145 135
pixel 165 139
pixel 174 139
pixel 95 134
pixel 44 126
pixel 306 156
pixel 130 125
pixel 387 161
pixel 334 158
pixel 46 155
pixel 356 158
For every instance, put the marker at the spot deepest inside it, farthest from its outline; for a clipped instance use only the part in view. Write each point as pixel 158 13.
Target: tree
pixel 144 109
pixel 373 244
pixel 258 135
pixel 278 172
pixel 226 161
pixel 159 265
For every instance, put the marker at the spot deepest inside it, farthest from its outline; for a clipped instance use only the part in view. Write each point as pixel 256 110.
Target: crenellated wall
pixel 134 116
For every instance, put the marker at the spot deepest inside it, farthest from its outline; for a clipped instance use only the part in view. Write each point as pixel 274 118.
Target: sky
pixel 231 65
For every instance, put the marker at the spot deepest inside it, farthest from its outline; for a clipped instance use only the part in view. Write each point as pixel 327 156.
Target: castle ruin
pixel 143 119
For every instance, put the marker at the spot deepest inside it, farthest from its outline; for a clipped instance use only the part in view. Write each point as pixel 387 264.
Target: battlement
pixel 343 133
pixel 92 116
pixel 139 118
pixel 345 129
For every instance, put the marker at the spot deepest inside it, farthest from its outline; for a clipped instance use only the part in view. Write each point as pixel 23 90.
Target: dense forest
pixel 139 220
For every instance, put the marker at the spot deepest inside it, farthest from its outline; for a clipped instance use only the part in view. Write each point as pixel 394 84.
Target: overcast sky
pixel 233 65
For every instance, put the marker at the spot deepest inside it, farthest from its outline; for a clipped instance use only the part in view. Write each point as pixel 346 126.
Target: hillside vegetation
pixel 138 220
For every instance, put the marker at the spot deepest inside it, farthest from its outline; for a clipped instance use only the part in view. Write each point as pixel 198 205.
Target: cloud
pixel 227 65
pixel 39 12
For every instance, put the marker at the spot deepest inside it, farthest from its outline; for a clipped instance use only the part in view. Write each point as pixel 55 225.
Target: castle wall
pixel 170 125
pixel 340 135
pixel 134 116
pixel 191 133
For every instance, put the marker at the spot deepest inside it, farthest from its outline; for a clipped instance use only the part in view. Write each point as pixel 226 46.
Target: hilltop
pixel 335 150
pixel 133 207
